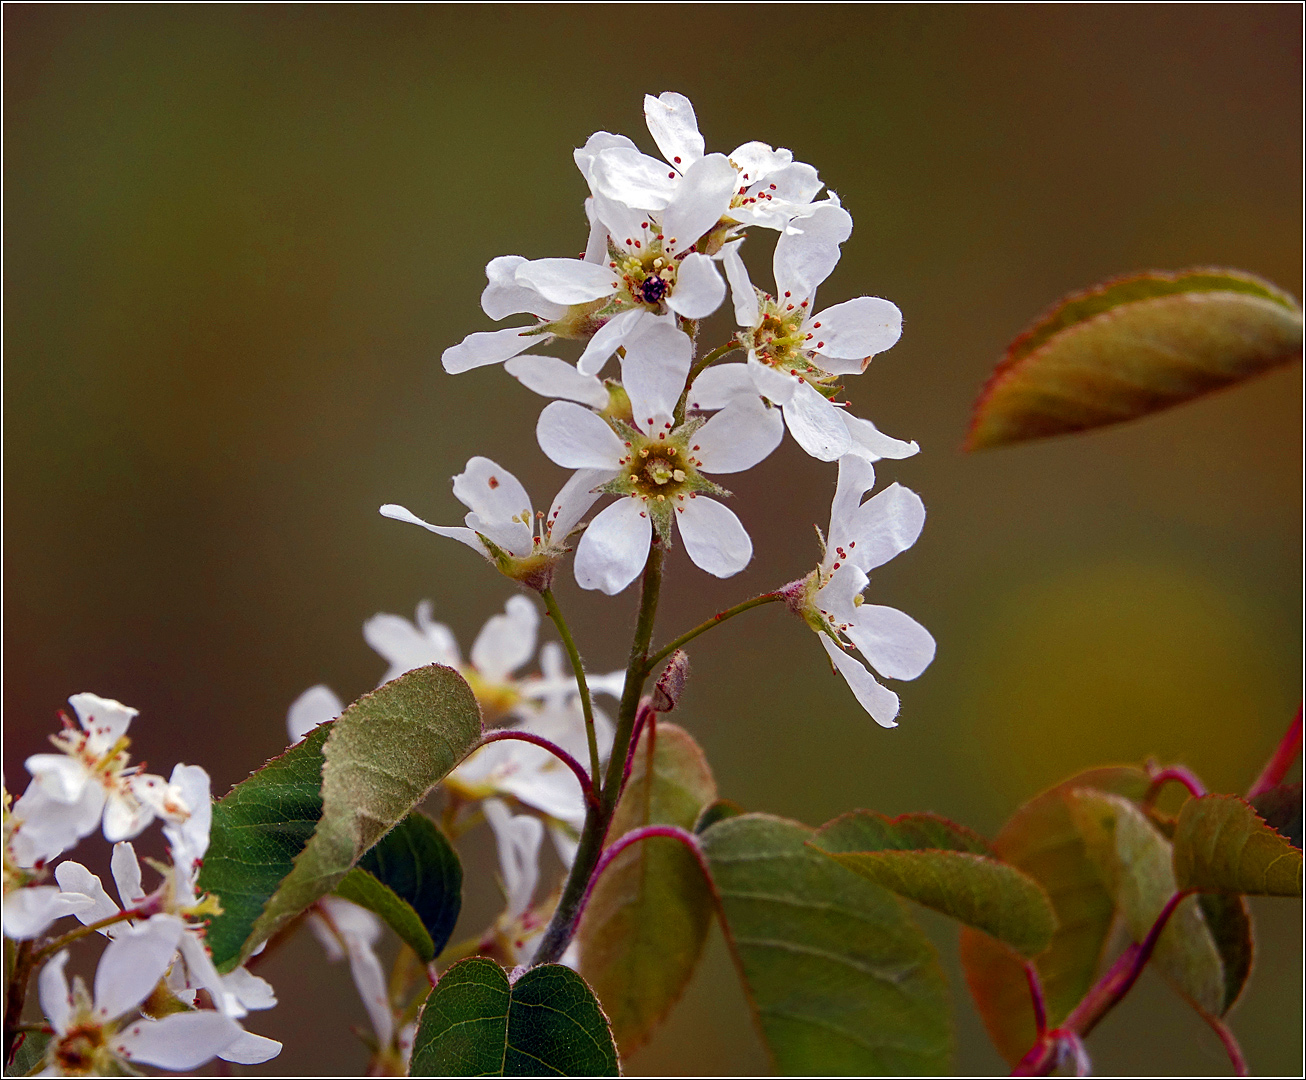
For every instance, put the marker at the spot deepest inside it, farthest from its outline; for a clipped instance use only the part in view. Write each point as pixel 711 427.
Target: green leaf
pixel 30 1054
pixel 361 888
pixel 1281 807
pixel 416 860
pixel 1135 862
pixel 1132 346
pixel 476 1023
pixel 278 845
pixel 258 829
pixel 1230 924
pixel 716 811
pixel 647 919
pixel 1222 845
pixel 840 978
pixel 1042 841
pixel 945 867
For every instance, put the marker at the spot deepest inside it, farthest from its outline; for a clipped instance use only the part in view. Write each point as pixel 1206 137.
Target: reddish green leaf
pixel 1041 840
pixel 647 919
pixel 1223 845
pixel 1132 346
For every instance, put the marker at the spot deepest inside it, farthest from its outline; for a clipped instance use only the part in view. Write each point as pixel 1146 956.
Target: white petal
pixel 519 837
pixel 629 228
pixel 720 385
pixel 61 777
pixel 739 436
pixel 506 641
pixel 598 142
pixel 674 127
pixel 596 247
pixel 203 973
pixel 494 347
pixel 52 987
pixel 249 989
pixel 76 879
pixel 856 329
pixel 897 646
pixel 125 815
pixel 180 1042
pixel 885 525
pixel 50 825
pixel 742 292
pixel 699 203
pixel 653 371
pixel 817 425
pixel 627 176
pixel 370 981
pixel 504 296
pixel 29 911
pixel 314 706
pixel 405 646
pixel 605 342
pixel 856 478
pixel 577 496
pixel 613 549
pixel 567 281
pixel 192 835
pixel 808 250
pixel 126 870
pixel 699 289
pixel 104 719
pixel 776 386
pixel 352 920
pixel 882 704
pixel 714 538
pixel 872 444
pixel 554 378
pixel 575 438
pixel 133 963
pixel 453 532
pixel 756 161
pixel 499 502
pixel 250 1049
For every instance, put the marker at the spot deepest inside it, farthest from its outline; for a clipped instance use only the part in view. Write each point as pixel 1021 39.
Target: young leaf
pixel 1042 841
pixel 840 978
pixel 279 845
pixel 476 1023
pixel 647 919
pixel 1281 807
pixel 1222 845
pixel 714 812
pixel 1230 924
pixel 1135 863
pixel 361 888
pixel 258 829
pixel 30 1053
pixel 946 867
pixel 420 865
pixel 1132 346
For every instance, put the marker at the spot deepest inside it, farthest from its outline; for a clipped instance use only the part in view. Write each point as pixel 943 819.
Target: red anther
pixel 662 435
pixel 693 494
pixel 852 543
pixel 613 265
pixel 629 241
pixel 638 244
pixel 836 566
pixel 804 304
pixel 643 224
pixel 696 446
pixel 493 482
pixel 820 344
pixel 676 160
pixel 650 419
pixel 627 444
pixel 815 325
pixel 671 176
pixel 772 187
pixel 787 293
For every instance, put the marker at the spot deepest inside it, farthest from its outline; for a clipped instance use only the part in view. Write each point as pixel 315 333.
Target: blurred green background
pixel 237 240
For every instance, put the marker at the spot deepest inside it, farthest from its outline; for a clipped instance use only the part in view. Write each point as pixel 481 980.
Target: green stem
pixel 562 926
pixel 698 369
pixel 585 702
pixel 702 628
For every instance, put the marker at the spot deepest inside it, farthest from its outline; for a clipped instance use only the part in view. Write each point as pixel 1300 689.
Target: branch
pixel 586 703
pixel 1279 764
pixel 702 628
pixel 586 786
pixel 673 832
pixel 1179 775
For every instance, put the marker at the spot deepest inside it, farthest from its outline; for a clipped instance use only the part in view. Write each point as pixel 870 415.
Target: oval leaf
pixel 945 867
pixel 1135 863
pixel 1230 923
pixel 1281 807
pixel 476 1023
pixel 1222 845
pixel 1042 841
pixel 840 978
pixel 374 764
pixel 646 921
pixel 1132 346
pixel 361 888
pixel 416 860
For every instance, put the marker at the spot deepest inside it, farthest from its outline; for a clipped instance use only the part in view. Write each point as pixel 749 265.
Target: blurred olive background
pixel 238 239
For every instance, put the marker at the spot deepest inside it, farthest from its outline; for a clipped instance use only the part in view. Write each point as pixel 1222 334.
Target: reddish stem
pixel 1279 764
pixel 1179 775
pixel 642 717
pixel 586 787
pixel 674 832
pixel 1037 999
pixel 1231 1046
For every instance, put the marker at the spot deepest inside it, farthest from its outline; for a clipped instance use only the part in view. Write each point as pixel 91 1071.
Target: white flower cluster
pixel 145 1008
pixel 664 242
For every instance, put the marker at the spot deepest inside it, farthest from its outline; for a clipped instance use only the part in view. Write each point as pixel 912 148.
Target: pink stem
pixel 1037 999
pixel 1179 775
pixel 641 718
pixel 1278 765
pixel 586 787
pixel 1231 1046
pixel 674 832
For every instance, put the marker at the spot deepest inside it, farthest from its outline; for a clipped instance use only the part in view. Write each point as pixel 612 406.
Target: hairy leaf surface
pixel 946 867
pixel 476 1023
pixel 416 860
pixel 1132 346
pixel 646 921
pixel 1222 844
pixel 840 978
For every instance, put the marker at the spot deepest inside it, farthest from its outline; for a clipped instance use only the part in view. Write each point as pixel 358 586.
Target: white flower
pixel 315 706
pixel 347 930
pixel 501 526
pixel 519 837
pixel 89 782
pixel 659 469
pixel 795 354
pixel 863 536
pixel 29 907
pixel 95 1037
